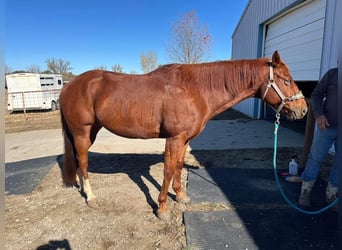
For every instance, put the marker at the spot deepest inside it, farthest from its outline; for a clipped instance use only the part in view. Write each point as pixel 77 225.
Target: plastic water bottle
pixel 293 166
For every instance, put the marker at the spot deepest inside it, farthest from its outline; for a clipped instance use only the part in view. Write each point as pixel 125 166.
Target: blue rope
pixel 280 187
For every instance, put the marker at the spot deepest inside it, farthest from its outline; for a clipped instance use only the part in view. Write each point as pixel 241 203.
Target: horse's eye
pixel 288 82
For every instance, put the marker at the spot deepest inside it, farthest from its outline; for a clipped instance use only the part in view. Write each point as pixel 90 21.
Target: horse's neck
pixel 228 102
pixel 225 97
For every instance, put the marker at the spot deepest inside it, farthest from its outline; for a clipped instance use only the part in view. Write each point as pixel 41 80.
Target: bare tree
pixel 189 42
pixel 34 69
pixel 58 66
pixel 101 67
pixel 148 61
pixel 117 68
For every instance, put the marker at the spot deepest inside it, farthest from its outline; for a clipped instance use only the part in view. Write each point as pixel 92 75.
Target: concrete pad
pixel 218 135
pixel 244 134
pixel 33 144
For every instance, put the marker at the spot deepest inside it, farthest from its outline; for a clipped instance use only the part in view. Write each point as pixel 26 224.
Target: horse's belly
pixel 132 129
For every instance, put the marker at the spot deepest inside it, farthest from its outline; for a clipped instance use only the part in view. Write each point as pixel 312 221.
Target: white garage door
pixel 298 36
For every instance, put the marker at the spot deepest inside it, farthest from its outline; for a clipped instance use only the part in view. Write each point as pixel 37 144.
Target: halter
pixel 284 100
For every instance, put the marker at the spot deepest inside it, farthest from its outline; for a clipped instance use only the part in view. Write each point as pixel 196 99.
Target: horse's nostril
pixel 304 111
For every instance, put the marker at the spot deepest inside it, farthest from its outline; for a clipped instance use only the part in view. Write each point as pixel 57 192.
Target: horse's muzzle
pixel 296 114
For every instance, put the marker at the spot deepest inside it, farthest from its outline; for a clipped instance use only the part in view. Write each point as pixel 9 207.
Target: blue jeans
pixel 322 141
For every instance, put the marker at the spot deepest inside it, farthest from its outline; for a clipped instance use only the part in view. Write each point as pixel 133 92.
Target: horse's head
pixel 281 92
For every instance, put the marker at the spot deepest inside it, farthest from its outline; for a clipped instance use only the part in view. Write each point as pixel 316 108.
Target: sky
pixel 93 33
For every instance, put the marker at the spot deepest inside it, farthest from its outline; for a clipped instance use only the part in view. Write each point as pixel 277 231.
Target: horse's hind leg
pixel 83 141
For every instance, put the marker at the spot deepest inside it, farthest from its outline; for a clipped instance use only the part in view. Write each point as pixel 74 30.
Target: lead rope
pixel 276 126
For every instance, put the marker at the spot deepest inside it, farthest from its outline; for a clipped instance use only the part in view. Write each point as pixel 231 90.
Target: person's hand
pixel 322 122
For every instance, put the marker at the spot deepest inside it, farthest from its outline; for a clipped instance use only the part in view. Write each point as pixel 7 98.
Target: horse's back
pixel 127 105
pixel 135 106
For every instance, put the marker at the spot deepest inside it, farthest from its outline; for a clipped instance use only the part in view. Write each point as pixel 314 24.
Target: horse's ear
pixel 275 59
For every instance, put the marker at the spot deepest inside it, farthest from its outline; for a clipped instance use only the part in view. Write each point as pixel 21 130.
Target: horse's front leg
pixel 177 182
pixel 173 149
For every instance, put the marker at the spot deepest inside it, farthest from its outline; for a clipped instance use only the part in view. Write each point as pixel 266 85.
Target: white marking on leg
pixel 79 179
pixel 87 190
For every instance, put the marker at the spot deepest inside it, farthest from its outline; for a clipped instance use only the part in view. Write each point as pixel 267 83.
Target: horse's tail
pixel 69 160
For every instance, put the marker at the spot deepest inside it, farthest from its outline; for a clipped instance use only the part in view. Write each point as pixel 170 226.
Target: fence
pixel 33 100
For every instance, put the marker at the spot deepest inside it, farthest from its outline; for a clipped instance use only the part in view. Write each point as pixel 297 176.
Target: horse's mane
pixel 231 75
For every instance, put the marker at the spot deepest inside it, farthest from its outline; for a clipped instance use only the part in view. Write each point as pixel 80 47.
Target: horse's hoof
pixel 164 216
pixel 92 203
pixel 183 200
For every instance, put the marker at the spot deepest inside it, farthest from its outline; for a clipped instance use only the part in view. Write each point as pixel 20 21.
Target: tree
pixel 58 66
pixel 101 67
pixel 68 76
pixel 117 68
pixel 33 69
pixel 148 61
pixel 19 71
pixel 189 42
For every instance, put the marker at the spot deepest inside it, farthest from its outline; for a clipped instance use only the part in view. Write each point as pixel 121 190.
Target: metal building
pixel 303 32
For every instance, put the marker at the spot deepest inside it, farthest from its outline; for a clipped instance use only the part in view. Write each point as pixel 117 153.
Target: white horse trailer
pixel 30 91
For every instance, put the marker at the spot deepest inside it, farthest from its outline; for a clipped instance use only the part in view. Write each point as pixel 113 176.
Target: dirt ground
pixel 127 187
pixel 19 122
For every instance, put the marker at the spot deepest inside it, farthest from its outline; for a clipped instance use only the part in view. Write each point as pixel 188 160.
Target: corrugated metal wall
pixel 298 37
pixel 329 55
pixel 247 33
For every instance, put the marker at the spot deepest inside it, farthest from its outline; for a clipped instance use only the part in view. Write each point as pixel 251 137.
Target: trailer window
pixel 59 82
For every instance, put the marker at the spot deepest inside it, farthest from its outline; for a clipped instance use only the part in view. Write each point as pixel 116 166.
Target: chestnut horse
pixel 173 102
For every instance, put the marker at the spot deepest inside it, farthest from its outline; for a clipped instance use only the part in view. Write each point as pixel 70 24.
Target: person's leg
pixel 321 144
pixel 332 187
pixel 333 177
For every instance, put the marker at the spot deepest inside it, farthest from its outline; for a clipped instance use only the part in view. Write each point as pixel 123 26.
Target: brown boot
pixel 304 198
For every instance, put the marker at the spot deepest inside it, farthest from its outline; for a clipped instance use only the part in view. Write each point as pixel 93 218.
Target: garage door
pixel 298 36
